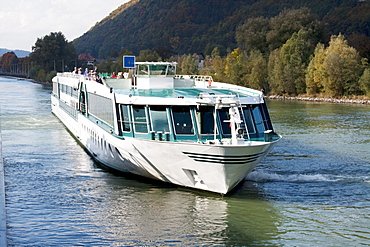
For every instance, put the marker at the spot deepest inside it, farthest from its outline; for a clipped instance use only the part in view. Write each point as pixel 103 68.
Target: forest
pixel 198 26
pixel 283 55
pixel 321 49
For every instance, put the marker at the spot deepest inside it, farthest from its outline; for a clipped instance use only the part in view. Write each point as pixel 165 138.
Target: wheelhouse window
pixel 205 120
pixel 182 120
pixel 158 116
pixel 258 120
pixel 140 119
pixel 223 115
pixel 158 69
pixel 249 120
pixel 125 121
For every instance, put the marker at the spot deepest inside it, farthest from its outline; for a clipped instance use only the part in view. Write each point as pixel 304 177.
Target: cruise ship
pixel 186 130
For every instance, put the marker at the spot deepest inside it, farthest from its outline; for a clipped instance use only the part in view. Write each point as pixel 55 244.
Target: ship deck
pixel 183 92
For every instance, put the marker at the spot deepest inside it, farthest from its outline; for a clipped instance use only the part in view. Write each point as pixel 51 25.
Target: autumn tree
pixel 343 67
pixel 234 67
pixel 316 74
pixel 335 70
pixel 8 60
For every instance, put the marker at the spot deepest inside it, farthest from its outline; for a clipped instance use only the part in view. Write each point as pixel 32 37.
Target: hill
pixel 19 53
pixel 197 26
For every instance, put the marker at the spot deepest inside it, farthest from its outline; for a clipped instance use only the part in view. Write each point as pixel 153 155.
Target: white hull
pixel 216 168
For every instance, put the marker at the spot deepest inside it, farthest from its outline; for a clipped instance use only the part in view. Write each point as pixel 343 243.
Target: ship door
pixel 82 100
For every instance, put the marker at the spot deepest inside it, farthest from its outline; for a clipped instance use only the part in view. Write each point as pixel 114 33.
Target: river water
pixel 312 190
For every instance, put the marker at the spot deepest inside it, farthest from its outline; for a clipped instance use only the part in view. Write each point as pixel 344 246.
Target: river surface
pixel 312 190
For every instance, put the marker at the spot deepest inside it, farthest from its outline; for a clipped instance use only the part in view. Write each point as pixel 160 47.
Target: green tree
pixel 252 35
pixel 257 71
pixel 148 55
pixel 365 81
pixel 275 73
pixel 295 54
pixel 188 64
pixel 53 49
pixel 288 22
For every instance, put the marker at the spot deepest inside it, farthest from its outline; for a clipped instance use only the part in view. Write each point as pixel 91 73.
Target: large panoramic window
pixel 158 115
pixel 140 120
pixel 182 120
pixel 205 120
pixel 101 107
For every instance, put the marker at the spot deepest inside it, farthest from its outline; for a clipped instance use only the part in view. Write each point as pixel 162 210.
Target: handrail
pixel 195 77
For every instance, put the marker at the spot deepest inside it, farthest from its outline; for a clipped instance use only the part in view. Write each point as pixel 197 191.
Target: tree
pixel 53 49
pixel 316 74
pixel 234 67
pixel 275 73
pixel 256 76
pixel 188 64
pixel 288 22
pixel 295 54
pixel 8 61
pixel 343 67
pixel 218 65
pixel 365 81
pixel 252 35
pixel 148 55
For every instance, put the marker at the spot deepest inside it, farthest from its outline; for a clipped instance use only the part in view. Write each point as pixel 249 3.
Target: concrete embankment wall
pixel 3 238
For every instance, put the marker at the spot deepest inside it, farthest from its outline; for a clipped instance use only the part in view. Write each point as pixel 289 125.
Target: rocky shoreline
pixel 315 99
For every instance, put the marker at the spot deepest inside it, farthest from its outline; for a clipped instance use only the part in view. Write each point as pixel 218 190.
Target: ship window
pixel 159 119
pixel 140 121
pixel 171 70
pixel 157 69
pixel 182 120
pixel 258 121
pixel 125 119
pixel 143 69
pixel 249 120
pixel 205 120
pixel 223 114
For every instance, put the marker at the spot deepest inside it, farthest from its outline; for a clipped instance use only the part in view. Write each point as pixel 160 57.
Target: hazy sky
pixel 23 21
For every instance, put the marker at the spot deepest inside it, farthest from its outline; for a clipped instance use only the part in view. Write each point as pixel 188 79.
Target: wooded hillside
pixel 198 26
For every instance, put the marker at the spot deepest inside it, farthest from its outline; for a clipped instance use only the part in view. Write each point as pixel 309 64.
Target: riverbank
pixel 318 99
pixel 21 77
pixel 272 97
pixel 3 241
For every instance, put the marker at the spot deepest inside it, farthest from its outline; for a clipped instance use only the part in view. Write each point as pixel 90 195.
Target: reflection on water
pixel 313 189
